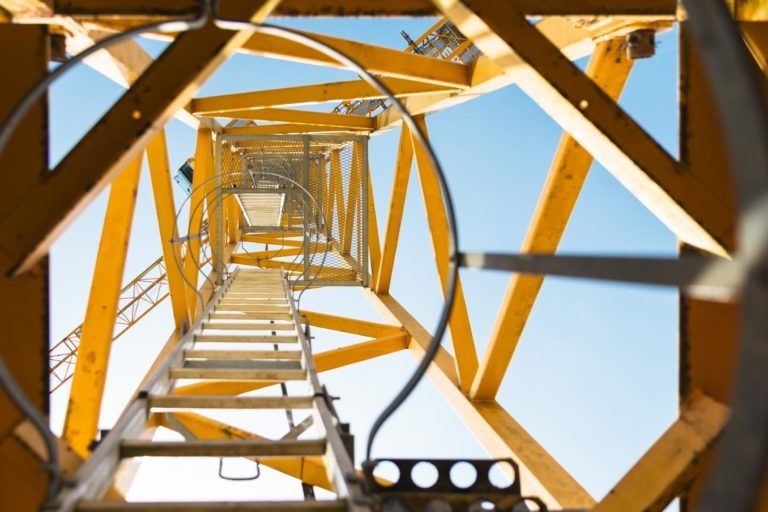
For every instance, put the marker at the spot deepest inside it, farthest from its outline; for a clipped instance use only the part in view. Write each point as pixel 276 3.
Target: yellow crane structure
pixel 282 202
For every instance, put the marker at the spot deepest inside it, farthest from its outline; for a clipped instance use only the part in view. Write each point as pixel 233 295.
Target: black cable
pixel 453 269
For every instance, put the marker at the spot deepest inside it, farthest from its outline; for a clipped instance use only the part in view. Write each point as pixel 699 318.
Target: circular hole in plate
pixel 463 475
pixel 386 473
pixel 500 474
pixel 438 506
pixel 424 474
pixel 482 506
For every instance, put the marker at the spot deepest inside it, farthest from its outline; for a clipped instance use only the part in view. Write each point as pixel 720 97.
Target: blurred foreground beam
pixel 28 231
pixel 677 198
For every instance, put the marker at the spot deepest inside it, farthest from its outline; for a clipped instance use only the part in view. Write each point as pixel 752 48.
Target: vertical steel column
pixel 363 252
pixel 24 315
pixel 218 259
pixel 307 204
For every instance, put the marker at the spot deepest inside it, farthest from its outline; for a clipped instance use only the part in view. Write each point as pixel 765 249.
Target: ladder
pixel 251 311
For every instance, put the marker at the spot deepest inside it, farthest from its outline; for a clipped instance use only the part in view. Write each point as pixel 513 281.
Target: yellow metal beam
pixel 324 361
pixel 350 325
pixel 286 115
pixel 233 219
pixel 461 330
pixel 666 469
pixel 376 59
pixel 497 431
pixel 160 174
pixel 353 199
pixel 82 419
pixel 396 207
pixel 677 198
pixel 336 188
pixel 25 312
pixel 203 162
pixel 88 9
pixel 307 95
pixel 374 243
pixel 28 231
pixel 609 68
pixel 286 129
pixel 269 238
pixel 310 470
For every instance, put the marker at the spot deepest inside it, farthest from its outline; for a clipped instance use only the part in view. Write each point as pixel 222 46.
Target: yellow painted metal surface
pixel 461 330
pixel 610 69
pixel 160 173
pixel 82 419
pixel 396 206
pixel 666 469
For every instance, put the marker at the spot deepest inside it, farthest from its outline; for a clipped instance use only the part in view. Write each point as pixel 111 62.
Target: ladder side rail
pixel 340 465
pixel 95 475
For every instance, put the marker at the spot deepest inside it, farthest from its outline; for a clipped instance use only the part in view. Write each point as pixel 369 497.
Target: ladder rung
pixel 242 364
pixel 250 308
pixel 250 326
pixel 237 374
pixel 248 315
pixel 292 355
pixel 251 506
pixel 243 338
pixel 266 301
pixel 230 402
pixel 219 448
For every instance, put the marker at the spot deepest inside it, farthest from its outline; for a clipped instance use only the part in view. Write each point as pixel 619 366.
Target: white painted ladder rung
pixel 243 338
pixel 293 355
pixel 230 402
pixel 222 448
pixel 238 374
pixel 229 506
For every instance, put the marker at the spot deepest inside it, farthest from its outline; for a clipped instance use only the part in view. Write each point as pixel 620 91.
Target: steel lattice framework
pixel 712 198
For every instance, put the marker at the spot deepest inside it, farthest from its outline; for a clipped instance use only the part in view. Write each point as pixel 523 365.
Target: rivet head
pixel 583 104
pixel 136 115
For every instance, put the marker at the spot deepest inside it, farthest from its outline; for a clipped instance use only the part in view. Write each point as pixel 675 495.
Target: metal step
pixel 230 402
pixel 242 364
pixel 222 448
pixel 290 355
pixel 249 315
pixel 244 338
pixel 251 506
pixel 237 374
pixel 249 308
pixel 247 326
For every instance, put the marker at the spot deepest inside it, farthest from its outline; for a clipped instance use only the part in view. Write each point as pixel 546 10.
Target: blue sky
pixel 595 376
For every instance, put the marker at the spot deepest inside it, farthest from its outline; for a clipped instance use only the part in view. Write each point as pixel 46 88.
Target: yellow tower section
pixel 281 206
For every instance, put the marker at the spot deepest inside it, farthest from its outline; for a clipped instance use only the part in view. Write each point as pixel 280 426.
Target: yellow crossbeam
pixel 287 129
pixel 376 59
pixel 307 95
pixel 294 116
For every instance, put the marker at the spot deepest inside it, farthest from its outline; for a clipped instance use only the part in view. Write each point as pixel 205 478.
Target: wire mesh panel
pixel 304 204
